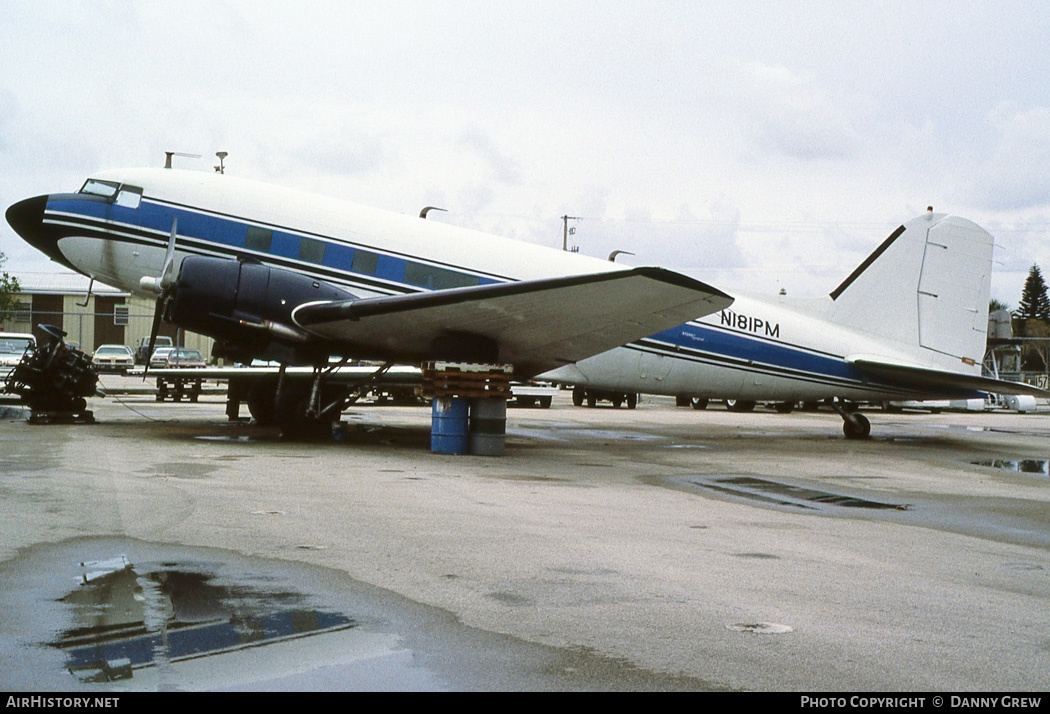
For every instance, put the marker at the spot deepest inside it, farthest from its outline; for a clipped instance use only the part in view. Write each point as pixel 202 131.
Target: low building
pixel 104 316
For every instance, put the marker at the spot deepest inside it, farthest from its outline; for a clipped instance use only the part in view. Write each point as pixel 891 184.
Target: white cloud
pixel 1016 173
pixel 790 114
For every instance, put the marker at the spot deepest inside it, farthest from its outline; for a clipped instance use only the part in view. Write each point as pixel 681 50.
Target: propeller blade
pixel 158 284
pixel 158 314
pixel 169 257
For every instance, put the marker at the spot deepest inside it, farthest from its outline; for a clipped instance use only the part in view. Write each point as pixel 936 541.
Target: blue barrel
pixel 488 426
pixel 448 425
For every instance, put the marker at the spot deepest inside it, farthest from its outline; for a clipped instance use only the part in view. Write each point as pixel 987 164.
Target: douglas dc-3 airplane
pixel 277 274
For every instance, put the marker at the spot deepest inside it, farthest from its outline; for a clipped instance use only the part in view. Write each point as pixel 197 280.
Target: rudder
pixel 926 288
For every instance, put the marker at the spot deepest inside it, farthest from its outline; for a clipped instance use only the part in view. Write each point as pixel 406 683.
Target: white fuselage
pixel 774 349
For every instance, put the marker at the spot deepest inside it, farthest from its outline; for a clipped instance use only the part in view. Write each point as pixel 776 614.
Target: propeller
pixel 160 287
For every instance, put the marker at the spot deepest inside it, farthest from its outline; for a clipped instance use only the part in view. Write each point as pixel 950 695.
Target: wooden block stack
pixel 467 380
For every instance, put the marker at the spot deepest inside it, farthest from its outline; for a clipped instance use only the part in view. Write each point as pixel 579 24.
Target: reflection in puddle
pixel 783 494
pixel 1028 466
pixel 167 617
pixel 126 617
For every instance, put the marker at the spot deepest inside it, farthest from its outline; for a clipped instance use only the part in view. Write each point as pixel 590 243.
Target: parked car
pixel 12 346
pixel 185 357
pixel 160 357
pixel 142 356
pixel 113 358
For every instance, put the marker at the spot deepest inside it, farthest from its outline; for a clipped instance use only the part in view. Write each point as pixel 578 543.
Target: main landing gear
pixel 854 424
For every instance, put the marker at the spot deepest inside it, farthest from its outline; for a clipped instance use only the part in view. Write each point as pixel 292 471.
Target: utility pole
pixel 565 230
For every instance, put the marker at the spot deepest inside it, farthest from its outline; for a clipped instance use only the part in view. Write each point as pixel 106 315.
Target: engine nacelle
pixel 247 307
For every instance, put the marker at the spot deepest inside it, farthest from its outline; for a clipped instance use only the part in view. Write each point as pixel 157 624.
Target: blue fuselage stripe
pixel 150 223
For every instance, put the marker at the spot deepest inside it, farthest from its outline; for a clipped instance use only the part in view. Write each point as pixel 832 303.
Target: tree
pixel 9 289
pixel 1034 305
pixel 1032 319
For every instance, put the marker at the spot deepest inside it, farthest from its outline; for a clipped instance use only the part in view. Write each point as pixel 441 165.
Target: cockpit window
pixel 107 189
pixel 129 196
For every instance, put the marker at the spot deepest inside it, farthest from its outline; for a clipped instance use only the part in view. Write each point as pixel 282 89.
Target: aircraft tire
pixel 292 420
pixel 740 405
pixel 545 402
pixel 261 406
pixel 784 407
pixel 698 403
pixel 577 396
pixel 857 427
pixel 632 401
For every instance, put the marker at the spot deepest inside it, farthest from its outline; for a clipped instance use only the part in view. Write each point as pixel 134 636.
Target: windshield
pixel 14 345
pixel 122 351
pixel 108 189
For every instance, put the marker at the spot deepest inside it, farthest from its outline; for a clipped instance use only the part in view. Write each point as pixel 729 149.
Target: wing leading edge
pixel 939 382
pixel 537 324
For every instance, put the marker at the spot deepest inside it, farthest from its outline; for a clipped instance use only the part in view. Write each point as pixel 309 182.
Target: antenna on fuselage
pixel 428 209
pixel 221 168
pixel 169 154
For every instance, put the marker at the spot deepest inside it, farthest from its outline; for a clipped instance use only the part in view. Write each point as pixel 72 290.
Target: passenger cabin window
pixel 258 239
pixel 311 250
pixel 364 262
pixel 428 276
pixel 106 189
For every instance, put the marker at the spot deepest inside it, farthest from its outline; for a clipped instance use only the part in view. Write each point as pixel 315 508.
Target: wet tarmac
pixel 168 618
pixel 658 548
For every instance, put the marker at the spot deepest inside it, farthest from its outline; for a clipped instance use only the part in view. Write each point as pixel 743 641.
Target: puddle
pixel 1027 466
pixel 234 439
pixel 127 617
pixel 573 432
pixel 783 494
pixel 104 615
pixel 761 628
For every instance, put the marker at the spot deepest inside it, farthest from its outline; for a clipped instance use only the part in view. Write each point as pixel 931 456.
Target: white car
pixel 12 346
pixel 160 356
pixel 113 358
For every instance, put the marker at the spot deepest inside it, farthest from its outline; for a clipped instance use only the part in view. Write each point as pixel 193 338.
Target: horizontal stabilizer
pixel 938 382
pixel 537 324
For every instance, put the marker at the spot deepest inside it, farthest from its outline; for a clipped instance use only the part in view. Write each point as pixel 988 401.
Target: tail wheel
pixel 856 426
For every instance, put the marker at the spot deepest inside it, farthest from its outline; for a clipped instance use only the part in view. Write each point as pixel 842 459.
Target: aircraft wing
pixel 936 381
pixel 538 324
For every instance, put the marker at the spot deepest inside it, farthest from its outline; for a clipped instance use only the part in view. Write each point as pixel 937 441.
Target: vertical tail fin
pixel 926 288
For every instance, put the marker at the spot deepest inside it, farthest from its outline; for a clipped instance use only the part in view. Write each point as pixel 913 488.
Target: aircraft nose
pixel 27 216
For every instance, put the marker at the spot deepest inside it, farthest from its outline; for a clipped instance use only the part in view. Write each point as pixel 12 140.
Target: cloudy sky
pixel 755 145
